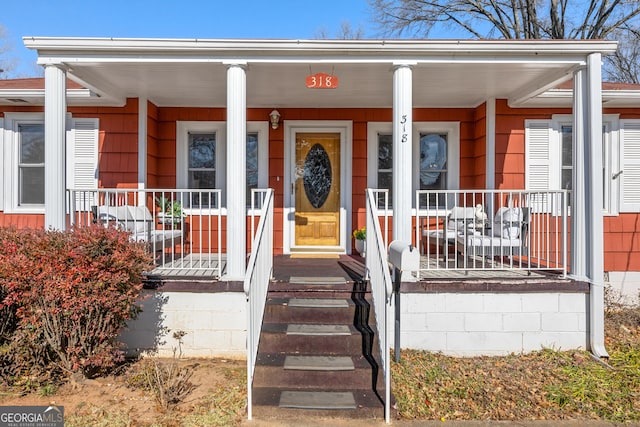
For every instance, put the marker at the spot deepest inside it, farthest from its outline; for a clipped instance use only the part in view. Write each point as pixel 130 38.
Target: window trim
pixel 219 127
pixel 451 129
pixel 262 129
pixel 183 128
pixel 11 154
pixel 610 140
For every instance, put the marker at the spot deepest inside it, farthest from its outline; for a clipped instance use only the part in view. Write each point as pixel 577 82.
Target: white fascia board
pixel 38 94
pixel 629 98
pixel 566 47
pixel 88 50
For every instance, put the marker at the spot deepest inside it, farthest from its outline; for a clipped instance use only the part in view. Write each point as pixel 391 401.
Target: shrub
pixel 168 381
pixel 73 290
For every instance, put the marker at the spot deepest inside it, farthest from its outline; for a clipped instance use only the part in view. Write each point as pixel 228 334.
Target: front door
pixel 316 179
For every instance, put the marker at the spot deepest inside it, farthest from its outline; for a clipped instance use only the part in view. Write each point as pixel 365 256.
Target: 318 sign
pixel 322 81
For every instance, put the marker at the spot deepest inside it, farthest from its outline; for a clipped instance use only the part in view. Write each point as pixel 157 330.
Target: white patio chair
pixel 508 237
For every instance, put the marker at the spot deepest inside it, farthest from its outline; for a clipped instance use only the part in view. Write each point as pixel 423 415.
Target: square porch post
pixel 55 111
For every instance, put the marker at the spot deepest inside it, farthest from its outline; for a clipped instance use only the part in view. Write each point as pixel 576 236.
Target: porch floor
pixel 349 268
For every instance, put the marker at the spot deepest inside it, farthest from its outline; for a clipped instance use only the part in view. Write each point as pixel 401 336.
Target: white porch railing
pixel 492 230
pixel 381 285
pixel 256 284
pixel 183 228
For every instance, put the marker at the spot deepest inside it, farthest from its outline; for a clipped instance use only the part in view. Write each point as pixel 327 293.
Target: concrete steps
pixel 318 356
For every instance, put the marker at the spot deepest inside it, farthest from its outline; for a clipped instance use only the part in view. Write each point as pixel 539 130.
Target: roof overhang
pixel 192 72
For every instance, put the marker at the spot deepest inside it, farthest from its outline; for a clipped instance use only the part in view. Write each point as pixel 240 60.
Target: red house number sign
pixel 322 81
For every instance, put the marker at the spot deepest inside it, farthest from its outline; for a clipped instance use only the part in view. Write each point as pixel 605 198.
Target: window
pixel 23 163
pixel 385 165
pixel 22 156
pixel 433 166
pixel 252 164
pixel 30 164
pixel 201 167
pixel 550 157
pixel 435 157
pixel 201 158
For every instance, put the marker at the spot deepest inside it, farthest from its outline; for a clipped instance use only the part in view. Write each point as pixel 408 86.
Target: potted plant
pixel 171 212
pixel 360 235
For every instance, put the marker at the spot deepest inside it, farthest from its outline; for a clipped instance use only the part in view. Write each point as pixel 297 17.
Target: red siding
pixel 118 156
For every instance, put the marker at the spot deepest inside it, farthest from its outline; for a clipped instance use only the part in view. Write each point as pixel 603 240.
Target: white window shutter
pixel 630 166
pixel 82 160
pixel 539 173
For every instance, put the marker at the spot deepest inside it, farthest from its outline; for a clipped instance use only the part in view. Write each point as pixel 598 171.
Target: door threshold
pixel 316 255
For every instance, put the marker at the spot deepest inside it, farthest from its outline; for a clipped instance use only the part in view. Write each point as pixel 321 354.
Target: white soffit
pixel 193 72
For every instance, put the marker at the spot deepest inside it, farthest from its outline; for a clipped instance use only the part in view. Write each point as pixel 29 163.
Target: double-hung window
pixel 30 153
pixel 550 160
pixel 22 181
pixel 23 152
pixel 435 153
pixel 201 159
pixel 201 167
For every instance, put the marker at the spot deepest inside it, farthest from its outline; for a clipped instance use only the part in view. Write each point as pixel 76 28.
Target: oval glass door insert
pixel 317 176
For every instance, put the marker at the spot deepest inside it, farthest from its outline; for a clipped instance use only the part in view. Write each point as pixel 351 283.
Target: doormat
pixel 317 256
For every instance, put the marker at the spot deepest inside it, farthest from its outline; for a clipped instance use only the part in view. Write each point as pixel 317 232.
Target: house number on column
pixel 403 122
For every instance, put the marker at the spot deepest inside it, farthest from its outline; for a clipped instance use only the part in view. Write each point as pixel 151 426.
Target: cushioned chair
pixel 459 222
pixel 138 221
pixel 508 237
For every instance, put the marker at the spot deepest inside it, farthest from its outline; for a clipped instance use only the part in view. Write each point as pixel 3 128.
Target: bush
pixel 71 291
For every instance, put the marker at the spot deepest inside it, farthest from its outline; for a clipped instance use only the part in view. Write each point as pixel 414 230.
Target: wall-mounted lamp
pixel 274 117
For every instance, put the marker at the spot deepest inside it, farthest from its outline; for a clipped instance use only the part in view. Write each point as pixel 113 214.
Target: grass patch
pixel 225 405
pixel 544 385
pixel 98 416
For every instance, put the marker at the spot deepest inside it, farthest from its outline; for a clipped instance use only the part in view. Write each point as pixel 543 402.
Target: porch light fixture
pixel 274 117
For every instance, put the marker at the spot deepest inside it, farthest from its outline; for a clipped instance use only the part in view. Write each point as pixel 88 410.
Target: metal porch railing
pixel 492 230
pixel 182 228
pixel 256 284
pixel 380 279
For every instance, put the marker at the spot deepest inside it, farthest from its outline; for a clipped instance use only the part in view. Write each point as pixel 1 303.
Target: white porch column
pixel 580 134
pixel 593 205
pixel 55 112
pixel 236 167
pixel 402 150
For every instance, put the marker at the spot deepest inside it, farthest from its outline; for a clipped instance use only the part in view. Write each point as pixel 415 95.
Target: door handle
pixel 616 175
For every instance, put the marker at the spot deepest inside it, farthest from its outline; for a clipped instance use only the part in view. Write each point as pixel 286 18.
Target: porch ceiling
pixel 193 72
pixel 283 85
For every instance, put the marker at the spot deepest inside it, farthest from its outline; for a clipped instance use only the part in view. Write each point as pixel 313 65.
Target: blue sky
pixel 289 19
